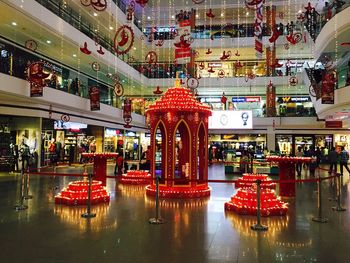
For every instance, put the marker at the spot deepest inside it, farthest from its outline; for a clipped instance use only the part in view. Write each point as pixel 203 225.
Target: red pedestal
pixel 286 167
pixel 100 164
pixel 287 172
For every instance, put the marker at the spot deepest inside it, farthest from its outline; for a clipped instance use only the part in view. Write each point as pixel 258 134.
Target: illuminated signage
pixel 293 99
pixel 242 119
pixel 60 125
pixel 214 65
pixel 246 99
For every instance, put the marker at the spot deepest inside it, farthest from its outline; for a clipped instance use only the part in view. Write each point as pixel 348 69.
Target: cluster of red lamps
pixel 179 192
pixel 248 180
pixel 179 99
pixel 287 159
pixel 136 177
pixel 244 202
pixel 77 193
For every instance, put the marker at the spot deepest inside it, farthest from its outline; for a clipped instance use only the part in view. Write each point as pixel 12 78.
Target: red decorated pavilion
pixel 179 138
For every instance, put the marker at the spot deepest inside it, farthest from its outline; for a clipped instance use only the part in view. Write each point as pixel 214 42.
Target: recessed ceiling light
pixel 95 30
pixel 123 80
pixel 111 28
pixel 139 21
pixel 149 18
pixel 134 48
pixel 172 16
pixel 222 14
pixel 247 14
pixel 48 41
pixel 14 23
pixel 74 55
pixel 95 14
pixel 197 16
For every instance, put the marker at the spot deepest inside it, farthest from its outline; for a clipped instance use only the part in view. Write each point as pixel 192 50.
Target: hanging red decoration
pixel 210 70
pixel 308 8
pixel 225 55
pixel 237 53
pixel 36 77
pixel 158 91
pixel 142 3
pixel 249 76
pixel 223 98
pixel 345 44
pixel 192 83
pixel 99 5
pixel 184 43
pixel 254 4
pixel 281 15
pixel 123 39
pixel 130 10
pixel 276 64
pixel 100 51
pixel 275 35
pixel 85 49
pixel 151 58
pixel 286 46
pixel 238 64
pixel 294 38
pixel 210 13
pixel 31 44
pixel 159 42
pixel 127 113
pixel 293 81
pixel 118 89
pixel 201 65
pixel 221 73
pixel 198 1
pixel 209 51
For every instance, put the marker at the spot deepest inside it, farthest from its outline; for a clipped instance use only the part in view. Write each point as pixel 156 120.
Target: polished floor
pixel 193 230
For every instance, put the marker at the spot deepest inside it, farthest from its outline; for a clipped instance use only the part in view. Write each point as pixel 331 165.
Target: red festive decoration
pixel 85 49
pixel 276 64
pixel 123 39
pixel 142 3
pixel 31 44
pixel 127 113
pixel 210 70
pixel 223 98
pixel 95 66
pixel 129 11
pixel 99 5
pixel 210 13
pixel 249 76
pixel 192 83
pixel 238 64
pixel 275 35
pixel 198 1
pixel 345 44
pixel 136 177
pixel 151 58
pixel 225 55
pixel 37 77
pixel 293 81
pixel 237 53
pixel 221 73
pixel 118 89
pixel 245 203
pixel 77 194
pixel 157 91
pixel 201 65
pixel 209 51
pixel 184 43
pixel 294 38
pixel 309 8
pixel 248 180
pixel 159 42
pixel 178 112
pixel 100 51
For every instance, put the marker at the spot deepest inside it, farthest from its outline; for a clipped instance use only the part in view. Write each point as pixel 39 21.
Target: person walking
pixel 333 160
pixel 299 165
pixel 118 169
pixel 344 158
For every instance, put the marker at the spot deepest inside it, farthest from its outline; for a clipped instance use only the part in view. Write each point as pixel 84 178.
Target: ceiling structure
pixel 156 12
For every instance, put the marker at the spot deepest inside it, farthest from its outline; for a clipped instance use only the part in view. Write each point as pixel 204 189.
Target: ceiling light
pixel 172 16
pixel 74 55
pixel 134 48
pixel 48 41
pixel 138 21
pixel 14 23
pixel 95 14
pixel 95 30
pixel 197 16
pixel 149 18
pixel 247 14
pixel 111 28
pixel 222 14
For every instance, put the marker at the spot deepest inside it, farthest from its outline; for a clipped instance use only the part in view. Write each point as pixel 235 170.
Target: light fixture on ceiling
pixel 74 55
pixel 197 15
pixel 14 23
pixel 172 16
pixel 111 28
pixel 138 21
pixel 222 14
pixel 149 18
pixel 95 14
pixel 48 41
pixel 134 48
pixel 247 14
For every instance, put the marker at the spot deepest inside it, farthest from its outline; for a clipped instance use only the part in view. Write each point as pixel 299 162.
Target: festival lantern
pixel 127 113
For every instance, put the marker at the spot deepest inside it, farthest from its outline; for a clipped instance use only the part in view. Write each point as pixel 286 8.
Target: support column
pixel 271 139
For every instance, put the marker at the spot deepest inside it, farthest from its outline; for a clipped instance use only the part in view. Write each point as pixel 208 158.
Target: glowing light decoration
pixel 248 180
pixel 244 202
pixel 77 194
pixel 136 177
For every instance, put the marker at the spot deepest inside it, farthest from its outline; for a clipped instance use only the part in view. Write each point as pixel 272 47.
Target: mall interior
pixel 208 104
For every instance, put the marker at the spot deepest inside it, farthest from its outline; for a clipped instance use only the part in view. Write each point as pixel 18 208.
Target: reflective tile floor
pixel 193 230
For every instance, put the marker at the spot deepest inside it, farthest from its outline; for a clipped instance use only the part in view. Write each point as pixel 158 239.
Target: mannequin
pixel 92 147
pixel 25 154
pixel 15 154
pixel 52 151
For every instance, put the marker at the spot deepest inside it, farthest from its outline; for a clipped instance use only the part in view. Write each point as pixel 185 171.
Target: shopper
pixel 313 165
pixel 333 160
pixel 118 169
pixel 344 158
pixel 299 165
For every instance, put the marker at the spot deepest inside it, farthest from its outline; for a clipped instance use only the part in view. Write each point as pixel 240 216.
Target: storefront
pixel 342 140
pixel 253 103
pixel 113 140
pixel 214 103
pixel 295 106
pixel 19 136
pixel 288 144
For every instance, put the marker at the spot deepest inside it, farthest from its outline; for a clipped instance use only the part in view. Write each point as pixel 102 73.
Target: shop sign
pixel 214 65
pixel 334 124
pixel 211 100
pixel 242 119
pixel 61 125
pixel 246 99
pixel 111 132
pixel 94 94
pixel 293 99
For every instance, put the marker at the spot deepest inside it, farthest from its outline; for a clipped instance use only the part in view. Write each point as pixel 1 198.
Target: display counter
pixel 259 166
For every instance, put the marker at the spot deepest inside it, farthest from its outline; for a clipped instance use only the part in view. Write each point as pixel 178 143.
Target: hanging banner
pixel 127 113
pixel 94 94
pixel 271 100
pixel 270 19
pixel 37 73
pixel 328 84
pixel 258 29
